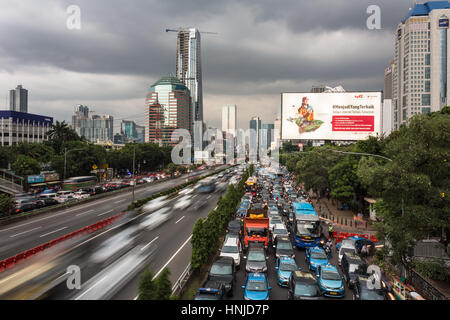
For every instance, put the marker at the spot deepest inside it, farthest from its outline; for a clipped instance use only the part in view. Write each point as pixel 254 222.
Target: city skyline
pixel 114 78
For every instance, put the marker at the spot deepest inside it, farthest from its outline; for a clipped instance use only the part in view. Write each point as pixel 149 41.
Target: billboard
pixel 330 116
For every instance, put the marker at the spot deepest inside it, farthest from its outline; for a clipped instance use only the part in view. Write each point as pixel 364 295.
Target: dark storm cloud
pixel 263 47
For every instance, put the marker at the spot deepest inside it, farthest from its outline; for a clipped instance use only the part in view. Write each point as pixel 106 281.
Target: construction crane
pixel 180 29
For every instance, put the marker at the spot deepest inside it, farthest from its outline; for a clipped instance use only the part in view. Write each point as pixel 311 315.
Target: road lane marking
pixel 143 248
pixel 167 263
pixel 179 219
pixel 80 214
pixel 208 197
pixel 105 212
pixel 18 234
pixel 52 232
pixel 120 201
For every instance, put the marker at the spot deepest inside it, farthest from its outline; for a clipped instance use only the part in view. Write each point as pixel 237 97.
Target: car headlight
pixel 264 269
pixel 342 287
pixel 313 263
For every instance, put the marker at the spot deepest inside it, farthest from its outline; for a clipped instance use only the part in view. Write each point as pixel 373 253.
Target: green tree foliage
pixel 163 285
pixel 25 165
pixel 60 133
pixel 5 203
pixel 147 287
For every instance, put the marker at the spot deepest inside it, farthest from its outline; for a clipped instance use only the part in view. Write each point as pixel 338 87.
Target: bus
pixel 251 185
pixel 206 185
pixel 306 225
pixel 76 183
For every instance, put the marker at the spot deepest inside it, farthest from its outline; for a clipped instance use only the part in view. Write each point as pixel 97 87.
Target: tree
pixel 163 285
pixel 25 165
pixel 5 203
pixel 59 133
pixel 147 287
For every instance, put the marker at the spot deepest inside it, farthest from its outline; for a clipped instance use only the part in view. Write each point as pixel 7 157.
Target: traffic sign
pixel 94 167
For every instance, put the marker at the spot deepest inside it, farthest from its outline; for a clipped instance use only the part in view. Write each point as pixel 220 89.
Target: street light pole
pixel 134 159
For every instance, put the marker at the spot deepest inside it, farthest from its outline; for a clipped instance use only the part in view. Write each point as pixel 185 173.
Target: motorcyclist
pixel 328 247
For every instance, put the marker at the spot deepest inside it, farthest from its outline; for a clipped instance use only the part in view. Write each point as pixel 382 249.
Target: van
pixel 352 265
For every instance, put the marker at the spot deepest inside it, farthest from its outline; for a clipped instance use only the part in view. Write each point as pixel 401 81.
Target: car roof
pixel 329 267
pixel 211 284
pixel 224 260
pixel 303 275
pixel 231 241
pixel 256 276
pixel 283 238
pixel 317 249
pixel 353 257
pixel 280 226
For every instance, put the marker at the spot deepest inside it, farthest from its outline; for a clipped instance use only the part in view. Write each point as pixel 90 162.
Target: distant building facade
pixel 17 127
pixel 229 118
pixel 18 99
pixel 94 128
pixel 168 106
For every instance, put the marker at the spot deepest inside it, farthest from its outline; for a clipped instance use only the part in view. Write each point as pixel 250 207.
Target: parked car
pixel 65 198
pixel 303 286
pixel 352 265
pixel 223 270
pixel 314 257
pixel 331 283
pixel 256 287
pixel 211 290
pixel 284 267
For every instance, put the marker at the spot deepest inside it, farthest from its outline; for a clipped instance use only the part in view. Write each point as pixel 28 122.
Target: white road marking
pixel 105 212
pixel 18 234
pixel 179 219
pixel 52 232
pixel 80 214
pixel 160 270
pixel 143 248
pixel 120 201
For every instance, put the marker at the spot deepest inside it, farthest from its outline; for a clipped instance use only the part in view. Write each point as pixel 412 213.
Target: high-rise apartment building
pixel 267 136
pixel 189 69
pixel 255 127
pixel 387 92
pixel 168 107
pixel 132 131
pixel 420 75
pixel 229 118
pixel 94 128
pixel 18 99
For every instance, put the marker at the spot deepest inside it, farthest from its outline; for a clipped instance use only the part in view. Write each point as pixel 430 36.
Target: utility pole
pixel 134 159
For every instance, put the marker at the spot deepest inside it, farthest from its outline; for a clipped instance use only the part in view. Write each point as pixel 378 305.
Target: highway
pixel 27 234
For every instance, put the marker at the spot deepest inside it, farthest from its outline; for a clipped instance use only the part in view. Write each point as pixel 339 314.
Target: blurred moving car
pixel 155 204
pixel 156 218
pixel 183 203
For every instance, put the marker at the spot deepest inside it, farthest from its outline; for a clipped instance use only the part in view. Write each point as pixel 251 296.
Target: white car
pixel 186 191
pixel 114 247
pixel 183 203
pixel 65 198
pixel 81 195
pixel 155 204
pixel 279 230
pixel 348 245
pixel 156 218
pixel 231 248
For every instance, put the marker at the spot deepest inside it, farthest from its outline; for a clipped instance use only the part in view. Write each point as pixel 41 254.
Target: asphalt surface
pixel 24 235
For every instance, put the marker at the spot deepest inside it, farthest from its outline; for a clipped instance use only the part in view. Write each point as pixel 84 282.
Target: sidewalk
pixel 343 220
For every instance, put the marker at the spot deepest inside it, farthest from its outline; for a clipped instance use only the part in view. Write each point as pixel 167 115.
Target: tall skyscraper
pixel 18 99
pixel 420 74
pixel 189 68
pixel 132 131
pixel 229 118
pixel 255 124
pixel 93 127
pixel 268 135
pixel 387 92
pixel 168 107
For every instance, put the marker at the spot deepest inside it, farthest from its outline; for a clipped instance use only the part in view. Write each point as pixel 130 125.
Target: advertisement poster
pixel 330 116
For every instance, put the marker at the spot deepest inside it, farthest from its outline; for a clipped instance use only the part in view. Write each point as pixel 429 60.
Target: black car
pixel 48 201
pixel 211 290
pixel 234 226
pixel 352 265
pixel 283 247
pixel 23 205
pixel 223 270
pixel 365 290
pixel 303 286
pixel 256 258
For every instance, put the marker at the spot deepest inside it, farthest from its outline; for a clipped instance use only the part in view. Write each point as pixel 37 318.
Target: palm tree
pixel 60 133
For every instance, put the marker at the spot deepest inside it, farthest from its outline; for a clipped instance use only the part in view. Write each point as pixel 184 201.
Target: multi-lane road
pixel 170 240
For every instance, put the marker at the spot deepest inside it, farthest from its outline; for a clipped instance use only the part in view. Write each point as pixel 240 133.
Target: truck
pixel 256 225
pixel 306 225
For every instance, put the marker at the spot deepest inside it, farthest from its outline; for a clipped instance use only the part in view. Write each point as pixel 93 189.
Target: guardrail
pixel 179 285
pixel 10 262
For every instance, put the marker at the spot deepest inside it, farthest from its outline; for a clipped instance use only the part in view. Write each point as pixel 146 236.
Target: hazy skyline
pixel 262 48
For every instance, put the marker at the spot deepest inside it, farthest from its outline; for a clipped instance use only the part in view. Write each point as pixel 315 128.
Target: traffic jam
pixel 277 248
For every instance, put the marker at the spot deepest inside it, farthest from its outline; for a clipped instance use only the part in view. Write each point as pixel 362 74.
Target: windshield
pixel 257 232
pixel 256 286
pixel 330 275
pixel 307 229
pixel 308 290
pixel 367 294
pixel 288 266
pixel 284 246
pixel 318 255
pixel 230 249
pixel 275 221
pixel 257 256
pixel 220 269
pixel 280 231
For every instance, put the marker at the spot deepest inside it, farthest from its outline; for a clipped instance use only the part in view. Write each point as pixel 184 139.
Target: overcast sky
pixel 262 48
